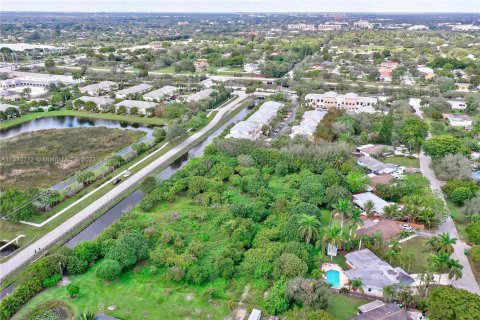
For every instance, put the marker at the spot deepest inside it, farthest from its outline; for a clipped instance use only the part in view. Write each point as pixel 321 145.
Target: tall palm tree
pixel 391 255
pixel 440 262
pixel 391 211
pixel 309 228
pixel 445 242
pixel 369 206
pixel 355 219
pixel 455 270
pixel 389 293
pixel 333 236
pixel 343 207
pixel 432 243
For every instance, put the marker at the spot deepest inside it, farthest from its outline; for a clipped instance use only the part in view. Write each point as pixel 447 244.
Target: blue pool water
pixel 476 175
pixel 333 278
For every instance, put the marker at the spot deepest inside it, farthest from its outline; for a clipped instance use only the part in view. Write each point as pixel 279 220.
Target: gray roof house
pixel 5 106
pixel 310 120
pixel 360 199
pixel 376 166
pixel 160 93
pixel 379 310
pixel 197 96
pixel 132 90
pixel 96 88
pixel 99 101
pixel 375 273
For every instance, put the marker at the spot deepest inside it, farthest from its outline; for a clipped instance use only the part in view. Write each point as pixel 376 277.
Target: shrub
pixel 461 194
pixel 473 232
pixel 73 290
pixel 52 281
pixel 289 265
pixel 109 270
pixel 13 302
pixel 87 250
pixel 276 302
pixel 475 254
pixel 76 265
pixel 310 293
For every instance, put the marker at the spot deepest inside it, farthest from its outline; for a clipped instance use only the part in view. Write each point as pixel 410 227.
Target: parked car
pixel 116 181
pixel 127 174
pixel 406 227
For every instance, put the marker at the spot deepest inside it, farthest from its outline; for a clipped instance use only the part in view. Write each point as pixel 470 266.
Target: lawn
pixel 475 268
pixel 42 158
pixel 403 161
pixel 138 295
pixel 461 222
pixel 344 307
pixel 64 112
pixel 419 251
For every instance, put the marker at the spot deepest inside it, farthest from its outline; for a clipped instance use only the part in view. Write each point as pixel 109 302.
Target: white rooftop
pixel 135 89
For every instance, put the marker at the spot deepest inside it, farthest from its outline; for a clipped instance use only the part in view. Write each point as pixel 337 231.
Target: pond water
pixel 118 210
pixel 66 122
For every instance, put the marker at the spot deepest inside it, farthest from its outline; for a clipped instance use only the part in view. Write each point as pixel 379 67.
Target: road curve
pixel 28 253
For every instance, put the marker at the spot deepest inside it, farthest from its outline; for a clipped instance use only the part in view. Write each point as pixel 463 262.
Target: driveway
pixel 468 281
pixel 28 253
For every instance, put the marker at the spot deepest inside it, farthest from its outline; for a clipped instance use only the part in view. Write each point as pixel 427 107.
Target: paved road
pixel 468 281
pixel 29 252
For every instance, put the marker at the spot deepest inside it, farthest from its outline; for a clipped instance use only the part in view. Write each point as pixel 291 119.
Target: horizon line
pixel 249 12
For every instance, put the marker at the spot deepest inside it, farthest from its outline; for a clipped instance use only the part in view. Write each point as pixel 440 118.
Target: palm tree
pixel 86 315
pixel 405 296
pixel 432 243
pixel 389 293
pixel 355 219
pixel 391 255
pixel 445 242
pixel 343 207
pixel 355 284
pixel 440 262
pixel 391 211
pixel 426 278
pixel 309 228
pixel 369 206
pixel 333 236
pixel 455 270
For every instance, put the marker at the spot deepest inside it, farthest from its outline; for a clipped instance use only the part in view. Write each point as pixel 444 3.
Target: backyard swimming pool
pixel 333 278
pixel 476 175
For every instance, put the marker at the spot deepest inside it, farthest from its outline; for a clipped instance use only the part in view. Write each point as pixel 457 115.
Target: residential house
pixel 360 199
pixel 375 150
pixel 251 67
pixel 458 120
pixel 201 65
pixel 97 89
pixel 375 273
pixel 160 93
pixel 351 102
pixel 122 94
pixel 101 102
pixel 464 87
pixel 426 72
pixel 197 96
pixel 252 127
pixel 377 310
pixel 457 104
pixel 255 315
pixel 389 64
pixel 308 125
pixel 142 106
pixel 386 228
pixel 385 74
pixel 376 166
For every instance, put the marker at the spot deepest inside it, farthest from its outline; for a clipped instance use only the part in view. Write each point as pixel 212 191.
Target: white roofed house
pixel 457 104
pixel 361 199
pixel 142 106
pixel 308 125
pixel 101 102
pixel 459 120
pixel 376 166
pixel 97 89
pixel 160 93
pixel 122 94
pixel 252 127
pixel 197 96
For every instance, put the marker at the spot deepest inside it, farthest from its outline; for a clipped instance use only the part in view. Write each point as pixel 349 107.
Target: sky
pixel 416 6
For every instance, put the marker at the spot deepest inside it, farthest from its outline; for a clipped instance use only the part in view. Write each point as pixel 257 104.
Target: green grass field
pixel 420 252
pixel 63 112
pixel 461 222
pixel 344 307
pixel 137 295
pixel 403 161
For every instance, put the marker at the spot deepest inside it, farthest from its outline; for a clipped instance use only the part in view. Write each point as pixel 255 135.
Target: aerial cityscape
pixel 240 160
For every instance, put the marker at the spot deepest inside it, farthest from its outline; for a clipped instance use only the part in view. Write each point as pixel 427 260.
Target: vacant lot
pixel 42 158
pixel 403 161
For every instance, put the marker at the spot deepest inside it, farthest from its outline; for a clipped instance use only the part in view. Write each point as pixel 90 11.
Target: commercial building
pixel 27 47
pixel 122 94
pixel 308 125
pixel 375 273
pixel 301 27
pixel 142 106
pixel 160 93
pixel 329 27
pixel 363 24
pixel 31 79
pixel 252 127
pixel 351 102
pixel 97 89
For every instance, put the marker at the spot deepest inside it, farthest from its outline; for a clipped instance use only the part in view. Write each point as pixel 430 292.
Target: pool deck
pixel 333 266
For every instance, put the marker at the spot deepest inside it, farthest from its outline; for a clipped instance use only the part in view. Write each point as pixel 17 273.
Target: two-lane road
pixel 28 253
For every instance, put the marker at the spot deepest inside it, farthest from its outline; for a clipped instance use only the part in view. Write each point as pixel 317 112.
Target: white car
pixel 127 174
pixel 406 227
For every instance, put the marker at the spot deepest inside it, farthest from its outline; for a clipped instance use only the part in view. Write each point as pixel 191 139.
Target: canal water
pixel 68 122
pixel 123 206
